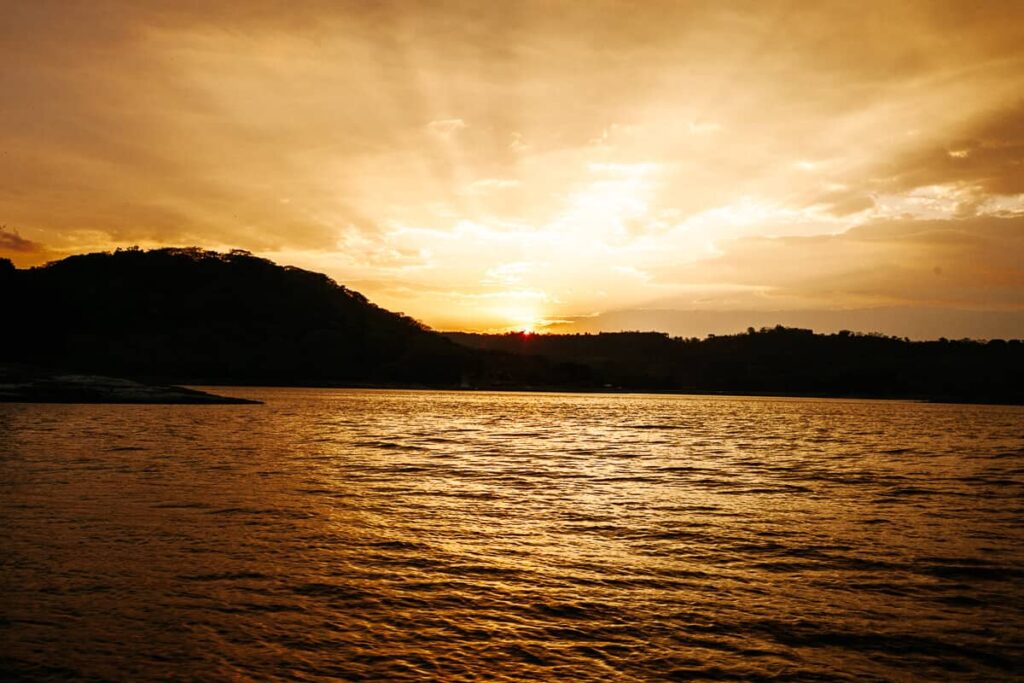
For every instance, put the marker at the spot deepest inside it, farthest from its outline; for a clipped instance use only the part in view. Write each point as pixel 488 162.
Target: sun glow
pixel 521 319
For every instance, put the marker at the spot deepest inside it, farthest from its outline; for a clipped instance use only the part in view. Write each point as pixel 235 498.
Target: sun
pixel 521 319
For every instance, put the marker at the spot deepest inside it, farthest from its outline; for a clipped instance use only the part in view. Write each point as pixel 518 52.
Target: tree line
pixel 191 316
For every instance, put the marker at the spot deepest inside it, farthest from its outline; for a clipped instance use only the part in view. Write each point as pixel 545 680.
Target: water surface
pixel 385 535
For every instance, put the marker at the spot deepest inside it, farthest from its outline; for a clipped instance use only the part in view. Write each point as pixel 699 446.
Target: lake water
pixel 386 535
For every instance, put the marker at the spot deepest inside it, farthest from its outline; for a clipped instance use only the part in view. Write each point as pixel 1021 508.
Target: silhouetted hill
pixel 188 315
pixel 783 361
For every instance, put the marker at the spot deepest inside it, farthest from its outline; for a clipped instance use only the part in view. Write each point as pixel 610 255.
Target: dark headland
pixel 189 316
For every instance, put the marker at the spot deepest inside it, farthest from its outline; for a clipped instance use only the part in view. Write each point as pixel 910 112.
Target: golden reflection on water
pixel 411 535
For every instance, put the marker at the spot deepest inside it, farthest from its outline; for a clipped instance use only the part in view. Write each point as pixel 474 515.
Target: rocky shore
pixel 25 384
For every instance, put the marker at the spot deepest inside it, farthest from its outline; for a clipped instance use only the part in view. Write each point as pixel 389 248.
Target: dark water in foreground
pixel 455 536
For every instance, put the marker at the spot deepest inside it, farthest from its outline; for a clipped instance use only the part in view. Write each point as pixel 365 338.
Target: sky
pixel 688 167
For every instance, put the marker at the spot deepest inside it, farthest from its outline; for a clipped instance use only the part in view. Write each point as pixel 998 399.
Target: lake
pixel 416 535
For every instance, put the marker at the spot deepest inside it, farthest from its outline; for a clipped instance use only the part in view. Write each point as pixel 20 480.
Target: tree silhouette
pixel 193 316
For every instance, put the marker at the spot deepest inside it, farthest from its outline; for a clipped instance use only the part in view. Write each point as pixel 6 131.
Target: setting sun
pixel 520 319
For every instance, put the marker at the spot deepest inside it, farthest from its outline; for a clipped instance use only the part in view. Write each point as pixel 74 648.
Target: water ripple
pixel 384 535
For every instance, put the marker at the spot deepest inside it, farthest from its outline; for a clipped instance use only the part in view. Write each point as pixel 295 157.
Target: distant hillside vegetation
pixel 783 361
pixel 188 315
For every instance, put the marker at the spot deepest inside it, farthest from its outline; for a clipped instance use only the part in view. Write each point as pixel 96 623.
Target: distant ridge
pixel 783 361
pixel 190 316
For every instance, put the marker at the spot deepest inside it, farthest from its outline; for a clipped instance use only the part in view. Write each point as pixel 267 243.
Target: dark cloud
pixel 23 251
pixel 11 241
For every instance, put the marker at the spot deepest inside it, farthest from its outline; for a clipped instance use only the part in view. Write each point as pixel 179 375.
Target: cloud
pixel 486 185
pixel 846 203
pixel 977 263
pixel 446 128
pixel 23 251
pixel 984 155
pixel 11 241
pixel 703 127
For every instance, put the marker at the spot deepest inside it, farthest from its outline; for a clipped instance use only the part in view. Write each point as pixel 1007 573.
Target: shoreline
pixel 27 384
pixel 604 390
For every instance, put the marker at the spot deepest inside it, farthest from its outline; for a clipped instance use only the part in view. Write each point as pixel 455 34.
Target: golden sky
pixel 686 166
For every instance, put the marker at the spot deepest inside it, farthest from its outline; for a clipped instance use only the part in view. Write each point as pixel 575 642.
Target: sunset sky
pixel 690 167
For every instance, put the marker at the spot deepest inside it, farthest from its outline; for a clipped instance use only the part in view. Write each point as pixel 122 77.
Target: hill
pixel 783 360
pixel 189 316
pixel 194 316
